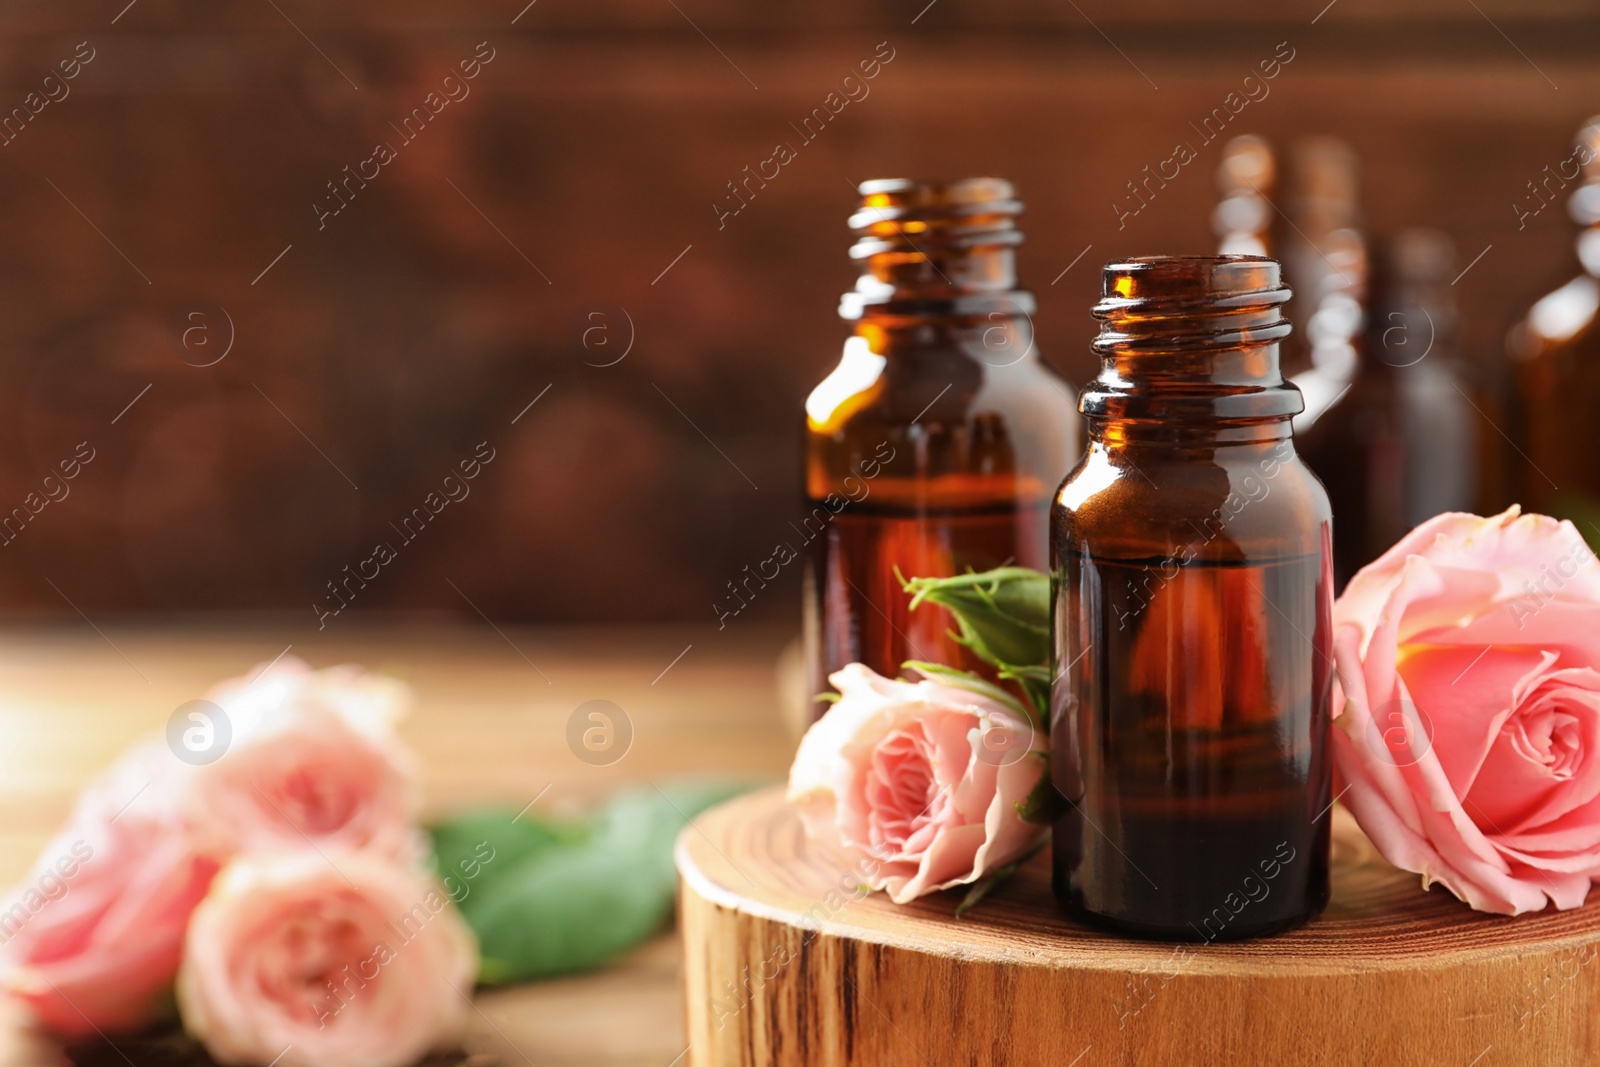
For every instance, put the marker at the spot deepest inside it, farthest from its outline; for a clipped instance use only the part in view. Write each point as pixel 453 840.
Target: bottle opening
pixel 1191 337
pixel 1162 288
pixel 936 248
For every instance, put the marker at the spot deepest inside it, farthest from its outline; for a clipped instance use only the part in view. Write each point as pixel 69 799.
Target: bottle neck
pixel 935 250
pixel 1191 342
pixel 1411 313
pixel 1135 438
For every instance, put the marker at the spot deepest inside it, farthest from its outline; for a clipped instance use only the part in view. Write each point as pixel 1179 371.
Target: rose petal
pixel 1471 708
pixel 308 959
pixel 869 761
pixel 1465 718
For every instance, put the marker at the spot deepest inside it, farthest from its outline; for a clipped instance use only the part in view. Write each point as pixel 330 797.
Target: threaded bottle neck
pixel 931 248
pixel 1191 338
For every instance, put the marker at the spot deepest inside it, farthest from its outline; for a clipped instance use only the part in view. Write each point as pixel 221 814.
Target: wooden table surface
pixel 489 727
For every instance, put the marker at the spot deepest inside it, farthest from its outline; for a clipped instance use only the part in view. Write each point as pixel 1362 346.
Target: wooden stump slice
pixel 788 962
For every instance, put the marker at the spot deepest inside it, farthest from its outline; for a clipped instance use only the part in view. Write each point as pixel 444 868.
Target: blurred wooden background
pixel 178 177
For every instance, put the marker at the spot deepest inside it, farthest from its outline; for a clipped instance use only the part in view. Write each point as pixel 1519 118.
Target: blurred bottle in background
pixel 1306 216
pixel 1556 350
pixel 1244 219
pixel 1401 443
pixel 1395 426
pixel 1325 261
pixel 937 442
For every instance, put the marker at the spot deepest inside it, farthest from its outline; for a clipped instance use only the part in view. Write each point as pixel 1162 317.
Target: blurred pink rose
pixel 1469 739
pixel 313 759
pixel 343 960
pixel 919 782
pixel 93 935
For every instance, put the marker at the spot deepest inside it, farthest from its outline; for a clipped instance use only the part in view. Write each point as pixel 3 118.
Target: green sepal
pixel 1035 685
pixel 1044 802
pixel 960 679
pixel 989 882
pixel 1003 614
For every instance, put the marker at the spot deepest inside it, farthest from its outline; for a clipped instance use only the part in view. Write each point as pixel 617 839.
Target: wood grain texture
pixel 788 962
pixel 408 330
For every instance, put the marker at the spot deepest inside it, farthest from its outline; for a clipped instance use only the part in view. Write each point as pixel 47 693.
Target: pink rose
pixel 93 935
pixel 342 960
pixel 919 782
pixel 92 938
pixel 313 760
pixel 1469 739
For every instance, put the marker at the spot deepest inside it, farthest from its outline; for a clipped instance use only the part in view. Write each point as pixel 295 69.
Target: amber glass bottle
pixel 1244 219
pixel 934 445
pixel 1556 349
pixel 1192 578
pixel 1400 444
pixel 1324 259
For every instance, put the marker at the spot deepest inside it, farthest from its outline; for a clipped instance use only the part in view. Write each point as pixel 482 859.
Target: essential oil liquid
pixel 1187 741
pixel 941 434
pixel 855 607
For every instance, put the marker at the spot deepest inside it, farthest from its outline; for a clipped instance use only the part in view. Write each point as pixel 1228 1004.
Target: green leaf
pixel 645 822
pixel 566 910
pixel 581 893
pixel 1003 615
pixel 461 844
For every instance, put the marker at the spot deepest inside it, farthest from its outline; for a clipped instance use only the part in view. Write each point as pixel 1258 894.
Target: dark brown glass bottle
pixel 1193 597
pixel 1556 349
pixel 934 445
pixel 1400 443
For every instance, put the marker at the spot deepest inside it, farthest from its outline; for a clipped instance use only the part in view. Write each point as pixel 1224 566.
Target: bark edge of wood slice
pixel 789 962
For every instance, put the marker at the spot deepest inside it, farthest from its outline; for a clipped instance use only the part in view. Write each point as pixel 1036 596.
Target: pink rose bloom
pixel 93 935
pixel 343 960
pixel 313 760
pixel 918 782
pixel 1469 739
pixel 92 938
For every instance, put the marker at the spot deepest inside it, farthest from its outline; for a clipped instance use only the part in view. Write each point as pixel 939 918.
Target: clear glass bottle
pixel 1192 618
pixel 935 444
pixel 1556 350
